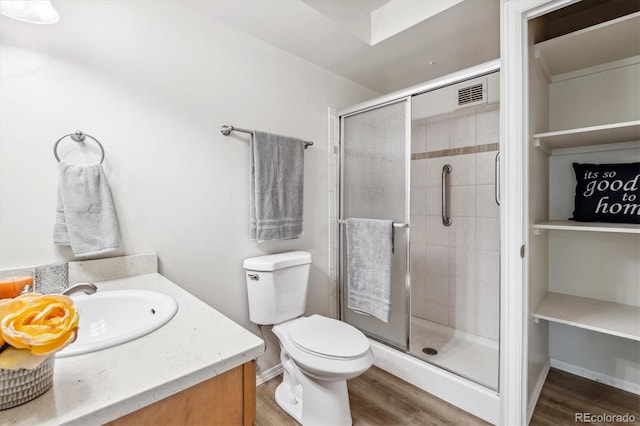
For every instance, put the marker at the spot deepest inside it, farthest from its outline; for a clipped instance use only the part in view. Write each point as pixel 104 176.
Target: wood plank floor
pixel 379 398
pixel 563 395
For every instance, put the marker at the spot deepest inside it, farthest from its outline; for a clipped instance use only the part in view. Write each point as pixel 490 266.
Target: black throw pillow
pixel 607 193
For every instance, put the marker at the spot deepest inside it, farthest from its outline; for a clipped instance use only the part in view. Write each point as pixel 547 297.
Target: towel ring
pixel 78 136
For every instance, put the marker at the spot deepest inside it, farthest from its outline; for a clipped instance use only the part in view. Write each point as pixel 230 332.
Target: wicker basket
pixel 20 386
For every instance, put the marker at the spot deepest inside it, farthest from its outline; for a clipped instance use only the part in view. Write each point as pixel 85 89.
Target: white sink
pixel 110 318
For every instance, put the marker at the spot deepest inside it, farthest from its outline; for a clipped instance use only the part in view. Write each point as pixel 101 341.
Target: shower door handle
pixel 446 171
pixel 497 178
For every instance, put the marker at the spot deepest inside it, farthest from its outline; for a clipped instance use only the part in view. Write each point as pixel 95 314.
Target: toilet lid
pixel 328 337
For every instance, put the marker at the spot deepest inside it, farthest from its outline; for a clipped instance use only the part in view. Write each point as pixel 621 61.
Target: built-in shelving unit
pixel 583 105
pixel 597 315
pixel 592 50
pixel 605 43
pixel 568 225
pixel 589 136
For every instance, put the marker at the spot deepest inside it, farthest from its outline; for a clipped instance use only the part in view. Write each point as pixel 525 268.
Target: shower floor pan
pixel 466 354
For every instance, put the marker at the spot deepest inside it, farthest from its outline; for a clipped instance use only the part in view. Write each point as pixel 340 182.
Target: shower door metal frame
pixel 438 83
pixel 407 217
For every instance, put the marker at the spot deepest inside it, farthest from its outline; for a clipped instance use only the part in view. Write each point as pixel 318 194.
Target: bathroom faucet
pixel 88 288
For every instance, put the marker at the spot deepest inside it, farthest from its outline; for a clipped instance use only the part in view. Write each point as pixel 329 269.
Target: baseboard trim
pixel 535 395
pixel 269 374
pixel 595 376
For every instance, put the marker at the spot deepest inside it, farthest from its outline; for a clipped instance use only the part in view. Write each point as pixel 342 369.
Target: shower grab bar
pixel 446 171
pixel 395 224
pixel 497 184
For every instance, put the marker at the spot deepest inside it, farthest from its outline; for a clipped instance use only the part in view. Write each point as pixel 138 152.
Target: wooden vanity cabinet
pixel 227 399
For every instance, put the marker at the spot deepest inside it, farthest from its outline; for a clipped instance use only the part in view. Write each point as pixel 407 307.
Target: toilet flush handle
pixel 254 277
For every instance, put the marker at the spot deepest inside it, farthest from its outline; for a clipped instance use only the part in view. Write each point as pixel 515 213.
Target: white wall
pixel 154 81
pixel 601 95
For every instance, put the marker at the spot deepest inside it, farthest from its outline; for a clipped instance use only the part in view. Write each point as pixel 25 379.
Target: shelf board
pixel 569 225
pixel 607 42
pixel 597 315
pixel 588 136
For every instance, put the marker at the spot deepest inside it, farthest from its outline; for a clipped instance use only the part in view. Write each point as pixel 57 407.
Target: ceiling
pixel 385 45
pixel 370 5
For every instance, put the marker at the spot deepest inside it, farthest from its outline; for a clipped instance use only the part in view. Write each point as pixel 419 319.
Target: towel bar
pixel 226 130
pixel 78 136
pixel 395 224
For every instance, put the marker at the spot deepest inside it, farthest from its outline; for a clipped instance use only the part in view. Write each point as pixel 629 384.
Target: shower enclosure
pixel 427 160
pixel 375 186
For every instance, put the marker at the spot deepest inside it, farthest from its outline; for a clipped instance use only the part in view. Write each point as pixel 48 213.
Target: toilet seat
pixel 315 360
pixel 328 338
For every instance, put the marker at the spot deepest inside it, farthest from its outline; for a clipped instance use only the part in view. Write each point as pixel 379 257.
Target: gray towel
pixel 369 249
pixel 276 182
pixel 85 215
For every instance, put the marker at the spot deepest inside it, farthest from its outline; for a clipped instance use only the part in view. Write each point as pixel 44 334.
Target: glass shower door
pixel 455 244
pixel 374 179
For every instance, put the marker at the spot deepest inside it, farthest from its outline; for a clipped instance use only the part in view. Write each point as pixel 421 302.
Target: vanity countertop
pixel 197 344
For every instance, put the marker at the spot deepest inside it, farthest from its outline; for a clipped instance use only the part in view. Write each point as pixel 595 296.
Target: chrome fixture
pixel 497 181
pixel 88 288
pixel 395 224
pixel 226 130
pixel 78 136
pixel 446 171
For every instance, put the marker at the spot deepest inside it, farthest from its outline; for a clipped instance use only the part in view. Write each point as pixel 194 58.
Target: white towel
pixel 276 178
pixel 85 215
pixel 369 251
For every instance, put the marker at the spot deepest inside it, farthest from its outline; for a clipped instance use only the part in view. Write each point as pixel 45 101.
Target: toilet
pixel 318 354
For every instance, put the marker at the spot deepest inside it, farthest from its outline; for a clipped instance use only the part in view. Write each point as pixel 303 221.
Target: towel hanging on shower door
pixel 369 253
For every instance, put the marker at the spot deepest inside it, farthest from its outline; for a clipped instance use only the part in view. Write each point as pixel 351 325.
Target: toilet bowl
pixel 318 354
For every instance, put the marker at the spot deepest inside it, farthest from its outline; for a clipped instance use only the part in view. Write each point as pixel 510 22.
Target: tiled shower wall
pixel 455 269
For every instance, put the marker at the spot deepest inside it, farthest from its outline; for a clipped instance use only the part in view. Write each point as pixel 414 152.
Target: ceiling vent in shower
pixel 473 94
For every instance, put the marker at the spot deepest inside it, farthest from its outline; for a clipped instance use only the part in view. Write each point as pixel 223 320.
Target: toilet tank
pixel 277 286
